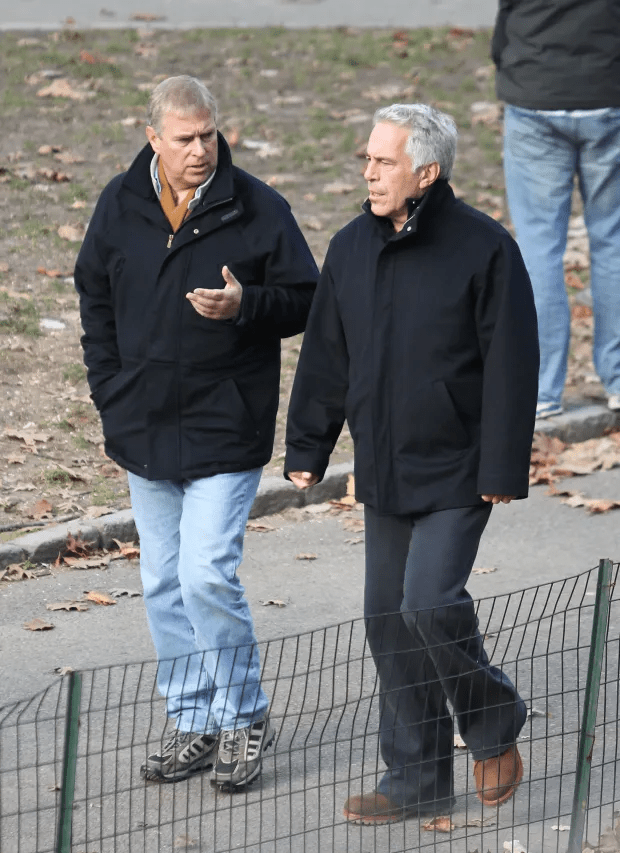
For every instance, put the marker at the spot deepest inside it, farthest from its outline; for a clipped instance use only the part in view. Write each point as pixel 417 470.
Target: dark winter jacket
pixel 560 55
pixel 181 396
pixel 426 342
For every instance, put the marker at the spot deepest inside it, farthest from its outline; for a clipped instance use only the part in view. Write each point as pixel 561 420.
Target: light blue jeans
pixel 543 152
pixel 191 544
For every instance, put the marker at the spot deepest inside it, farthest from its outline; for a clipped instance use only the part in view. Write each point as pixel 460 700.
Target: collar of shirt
pixel 198 192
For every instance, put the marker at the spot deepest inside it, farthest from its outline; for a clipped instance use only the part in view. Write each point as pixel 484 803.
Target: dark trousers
pixel 423 633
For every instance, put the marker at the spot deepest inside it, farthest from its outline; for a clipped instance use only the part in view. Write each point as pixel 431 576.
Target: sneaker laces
pixel 176 739
pixel 230 744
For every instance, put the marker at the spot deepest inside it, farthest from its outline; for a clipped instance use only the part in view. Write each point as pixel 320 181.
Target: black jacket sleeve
pixel 508 339
pixel 92 283
pixel 499 39
pixel 317 409
pixel 283 301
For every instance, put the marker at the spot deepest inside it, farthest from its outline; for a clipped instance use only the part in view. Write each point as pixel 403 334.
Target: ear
pixel 429 174
pixel 153 138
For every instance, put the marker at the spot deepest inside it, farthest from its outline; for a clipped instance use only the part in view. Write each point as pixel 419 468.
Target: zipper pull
pixel 170 236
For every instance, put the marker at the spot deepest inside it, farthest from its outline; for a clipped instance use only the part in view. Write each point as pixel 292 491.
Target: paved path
pixel 529 542
pixel 51 14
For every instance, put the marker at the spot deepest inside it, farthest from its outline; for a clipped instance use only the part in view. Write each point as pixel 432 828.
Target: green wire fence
pixel 70 756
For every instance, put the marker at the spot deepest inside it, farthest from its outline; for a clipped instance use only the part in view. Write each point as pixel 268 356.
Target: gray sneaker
pixel 240 755
pixel 183 754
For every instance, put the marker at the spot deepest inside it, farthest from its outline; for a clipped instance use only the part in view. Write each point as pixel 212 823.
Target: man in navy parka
pixel 423 336
pixel 190 274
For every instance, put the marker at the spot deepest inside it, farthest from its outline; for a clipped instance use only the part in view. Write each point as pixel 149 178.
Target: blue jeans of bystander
pixel 543 152
pixel 191 544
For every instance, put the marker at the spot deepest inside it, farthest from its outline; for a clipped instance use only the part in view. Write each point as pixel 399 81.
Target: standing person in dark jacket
pixel 423 336
pixel 558 69
pixel 190 273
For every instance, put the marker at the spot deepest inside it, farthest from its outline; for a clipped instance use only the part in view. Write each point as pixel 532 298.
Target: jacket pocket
pixel 217 417
pixel 113 387
pixel 430 422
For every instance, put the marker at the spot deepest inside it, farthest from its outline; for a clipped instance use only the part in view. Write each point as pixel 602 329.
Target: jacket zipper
pixel 209 207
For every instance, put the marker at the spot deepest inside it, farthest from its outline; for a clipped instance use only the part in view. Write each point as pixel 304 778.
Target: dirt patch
pixel 296 107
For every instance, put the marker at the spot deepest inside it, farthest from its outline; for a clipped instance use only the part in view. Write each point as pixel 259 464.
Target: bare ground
pixel 296 108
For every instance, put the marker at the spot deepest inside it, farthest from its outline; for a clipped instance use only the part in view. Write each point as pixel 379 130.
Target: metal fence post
pixel 67 790
pixel 600 624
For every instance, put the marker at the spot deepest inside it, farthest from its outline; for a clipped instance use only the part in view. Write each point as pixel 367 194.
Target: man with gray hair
pixel 423 336
pixel 190 274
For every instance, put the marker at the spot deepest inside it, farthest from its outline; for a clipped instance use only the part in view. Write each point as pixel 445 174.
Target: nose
pixel 198 147
pixel 369 171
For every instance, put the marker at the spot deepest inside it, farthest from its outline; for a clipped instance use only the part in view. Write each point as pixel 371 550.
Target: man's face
pixel 187 147
pixel 388 172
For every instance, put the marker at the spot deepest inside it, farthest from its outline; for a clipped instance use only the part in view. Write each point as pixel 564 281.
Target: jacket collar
pixel 429 205
pixel 138 180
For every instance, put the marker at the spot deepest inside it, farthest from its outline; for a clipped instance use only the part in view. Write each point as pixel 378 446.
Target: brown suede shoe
pixel 497 778
pixel 375 809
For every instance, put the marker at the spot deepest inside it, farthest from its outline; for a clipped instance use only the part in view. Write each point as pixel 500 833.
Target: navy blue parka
pixel 181 396
pixel 426 342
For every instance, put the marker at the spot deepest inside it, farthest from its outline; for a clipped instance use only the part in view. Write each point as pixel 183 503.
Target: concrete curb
pixel 274 494
pixel 580 423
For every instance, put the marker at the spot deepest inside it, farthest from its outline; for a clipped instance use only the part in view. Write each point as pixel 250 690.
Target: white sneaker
pixel 548 410
pixel 613 402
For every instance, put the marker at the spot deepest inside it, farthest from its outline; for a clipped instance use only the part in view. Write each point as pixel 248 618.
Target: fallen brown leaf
pixel 16 572
pixel 438 824
pixel 39 510
pixel 85 562
pixel 51 273
pixel 99 597
pixel 62 88
pixel 354 524
pixel 97 511
pixel 276 602
pixel 77 546
pixel 29 438
pixel 54 175
pixel 73 233
pixel 482 571
pixel 68 157
pixel 128 549
pixel 573 280
pixel 260 526
pixel 305 556
pixel 121 593
pixel 38 625
pixel 67 605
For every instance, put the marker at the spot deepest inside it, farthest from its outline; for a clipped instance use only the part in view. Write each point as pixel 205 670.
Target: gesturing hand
pixel 303 479
pixel 495 499
pixel 218 304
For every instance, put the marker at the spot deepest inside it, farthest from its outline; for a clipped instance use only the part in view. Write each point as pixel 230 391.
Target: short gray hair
pixel 182 95
pixel 432 134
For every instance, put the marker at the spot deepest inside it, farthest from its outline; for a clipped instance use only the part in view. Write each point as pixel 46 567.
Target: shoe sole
pixel 509 793
pixel 156 776
pixel 382 820
pixel 228 786
pixel 376 820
